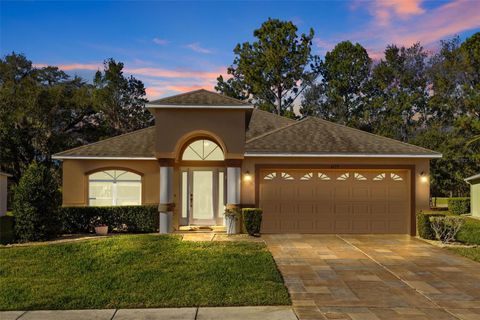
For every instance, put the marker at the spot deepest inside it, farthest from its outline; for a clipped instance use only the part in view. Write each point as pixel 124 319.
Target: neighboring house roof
pixel 199 99
pixel 473 178
pixel 5 174
pixel 268 135
pixel 316 137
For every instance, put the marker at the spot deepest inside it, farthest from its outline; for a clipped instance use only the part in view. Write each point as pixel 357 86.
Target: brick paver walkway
pixel 368 277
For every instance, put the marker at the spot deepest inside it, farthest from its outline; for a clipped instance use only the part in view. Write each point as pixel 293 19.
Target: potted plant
pixel 101 228
pixel 232 216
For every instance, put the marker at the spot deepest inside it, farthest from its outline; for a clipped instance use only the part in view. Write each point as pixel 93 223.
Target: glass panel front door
pixel 202 196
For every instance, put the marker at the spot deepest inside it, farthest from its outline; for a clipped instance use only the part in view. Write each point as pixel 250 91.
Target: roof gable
pixel 320 137
pixel 200 97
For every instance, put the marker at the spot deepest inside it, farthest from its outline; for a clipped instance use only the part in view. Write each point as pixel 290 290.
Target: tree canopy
pixel 44 111
pixel 273 70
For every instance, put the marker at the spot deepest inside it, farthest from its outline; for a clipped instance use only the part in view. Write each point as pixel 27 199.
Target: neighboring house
pixel 3 192
pixel 474 182
pixel 207 151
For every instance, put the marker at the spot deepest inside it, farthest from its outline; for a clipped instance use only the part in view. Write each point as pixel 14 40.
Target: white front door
pixel 202 196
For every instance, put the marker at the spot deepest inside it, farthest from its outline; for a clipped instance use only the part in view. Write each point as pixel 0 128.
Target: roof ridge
pixel 369 133
pixel 103 140
pixel 200 90
pixel 178 95
pixel 276 130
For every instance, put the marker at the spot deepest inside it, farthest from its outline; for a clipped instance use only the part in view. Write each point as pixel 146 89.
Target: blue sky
pixel 179 46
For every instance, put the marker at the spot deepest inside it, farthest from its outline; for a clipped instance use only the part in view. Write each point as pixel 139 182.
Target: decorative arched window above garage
pixel 203 150
pixel 114 188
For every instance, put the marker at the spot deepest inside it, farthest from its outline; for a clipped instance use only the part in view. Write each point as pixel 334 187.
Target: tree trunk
pixel 279 100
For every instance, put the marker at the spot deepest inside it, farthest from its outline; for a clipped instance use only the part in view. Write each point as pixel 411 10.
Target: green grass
pixel 136 271
pixel 472 253
pixel 441 202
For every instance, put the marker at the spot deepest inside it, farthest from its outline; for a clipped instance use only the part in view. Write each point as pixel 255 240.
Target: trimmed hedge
pixel 135 219
pixel 424 226
pixel 459 205
pixel 7 229
pixel 252 220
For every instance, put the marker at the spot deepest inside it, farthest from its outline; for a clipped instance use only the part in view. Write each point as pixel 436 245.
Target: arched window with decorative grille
pixel 114 188
pixel 203 150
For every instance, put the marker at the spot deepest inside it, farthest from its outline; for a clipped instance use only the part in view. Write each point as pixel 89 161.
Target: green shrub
pixel 252 220
pixel 459 205
pixel 7 231
pixel 136 219
pixel 470 232
pixel 446 228
pixel 424 227
pixel 36 202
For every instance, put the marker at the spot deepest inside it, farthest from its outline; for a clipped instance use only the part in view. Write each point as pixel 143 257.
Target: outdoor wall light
pixel 247 177
pixel 423 177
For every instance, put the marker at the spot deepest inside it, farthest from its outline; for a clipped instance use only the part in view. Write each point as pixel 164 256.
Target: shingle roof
pixel 317 136
pixel 136 144
pixel 267 134
pixel 263 122
pixel 200 97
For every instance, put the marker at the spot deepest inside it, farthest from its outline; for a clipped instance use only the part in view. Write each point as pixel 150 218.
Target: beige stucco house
pixel 3 192
pixel 207 151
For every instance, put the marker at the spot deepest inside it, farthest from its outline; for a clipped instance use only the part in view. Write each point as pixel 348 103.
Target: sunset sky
pixel 179 46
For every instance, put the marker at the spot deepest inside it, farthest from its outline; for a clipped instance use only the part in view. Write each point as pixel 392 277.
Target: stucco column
pixel 233 186
pixel 234 182
pixel 165 207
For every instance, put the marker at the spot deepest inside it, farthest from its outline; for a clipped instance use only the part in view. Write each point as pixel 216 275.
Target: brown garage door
pixel 335 201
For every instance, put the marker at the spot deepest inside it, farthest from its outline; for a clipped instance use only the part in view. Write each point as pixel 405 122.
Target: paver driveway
pixel 366 277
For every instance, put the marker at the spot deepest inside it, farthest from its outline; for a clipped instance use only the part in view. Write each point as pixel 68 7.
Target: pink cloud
pixel 445 21
pixel 197 48
pixel 73 66
pixel 176 73
pixel 426 27
pixel 402 8
pixel 153 92
pixel 181 88
pixel 385 11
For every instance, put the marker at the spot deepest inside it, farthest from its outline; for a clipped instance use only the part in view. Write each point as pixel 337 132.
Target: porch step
pixel 201 229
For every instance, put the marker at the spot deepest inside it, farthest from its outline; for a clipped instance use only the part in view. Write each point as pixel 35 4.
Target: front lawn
pixel 472 253
pixel 137 271
pixel 440 202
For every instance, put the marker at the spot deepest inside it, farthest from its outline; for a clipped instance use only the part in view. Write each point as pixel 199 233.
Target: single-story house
pixel 207 151
pixel 3 192
pixel 474 182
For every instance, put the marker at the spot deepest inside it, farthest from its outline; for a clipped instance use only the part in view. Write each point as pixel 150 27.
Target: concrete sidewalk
pixel 219 313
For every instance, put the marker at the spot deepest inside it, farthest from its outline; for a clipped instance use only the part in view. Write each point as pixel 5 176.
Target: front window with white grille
pixel 114 188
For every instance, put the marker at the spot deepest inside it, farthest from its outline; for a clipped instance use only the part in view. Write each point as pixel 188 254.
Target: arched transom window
pixel 201 150
pixel 114 188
